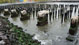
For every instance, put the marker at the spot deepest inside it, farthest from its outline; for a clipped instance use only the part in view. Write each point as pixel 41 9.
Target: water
pixel 52 34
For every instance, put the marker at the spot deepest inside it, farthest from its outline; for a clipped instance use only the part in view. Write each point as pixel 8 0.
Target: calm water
pixel 52 34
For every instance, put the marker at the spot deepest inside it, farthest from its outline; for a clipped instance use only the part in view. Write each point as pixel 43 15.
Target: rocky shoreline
pixel 14 34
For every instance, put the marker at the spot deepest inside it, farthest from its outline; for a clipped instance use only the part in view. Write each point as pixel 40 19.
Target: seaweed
pixel 19 36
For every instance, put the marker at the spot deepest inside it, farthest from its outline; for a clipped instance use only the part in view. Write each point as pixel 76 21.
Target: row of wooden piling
pixel 54 12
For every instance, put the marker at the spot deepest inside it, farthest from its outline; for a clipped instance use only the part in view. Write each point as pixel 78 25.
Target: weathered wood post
pixel 42 17
pixel 14 13
pixel 73 29
pixel 24 15
pixel 6 12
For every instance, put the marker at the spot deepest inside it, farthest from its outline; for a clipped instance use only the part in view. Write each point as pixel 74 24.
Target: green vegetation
pixel 21 38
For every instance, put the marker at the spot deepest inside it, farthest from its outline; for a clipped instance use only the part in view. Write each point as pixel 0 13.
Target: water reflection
pixel 43 33
pixel 52 34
